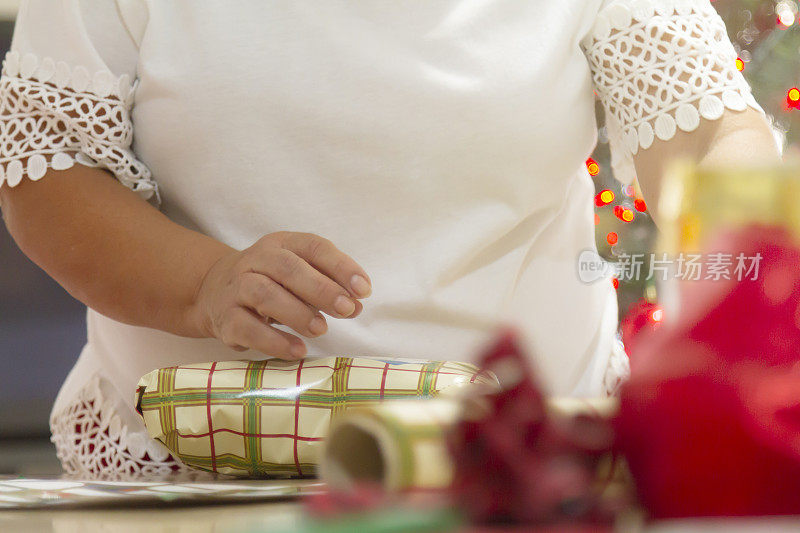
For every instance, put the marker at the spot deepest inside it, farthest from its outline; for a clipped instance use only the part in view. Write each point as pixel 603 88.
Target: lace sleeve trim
pixel 53 115
pixel 659 66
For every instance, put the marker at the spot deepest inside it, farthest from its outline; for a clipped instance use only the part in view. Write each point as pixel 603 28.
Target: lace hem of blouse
pixel 659 66
pixel 53 115
pixel 92 441
pixel 618 369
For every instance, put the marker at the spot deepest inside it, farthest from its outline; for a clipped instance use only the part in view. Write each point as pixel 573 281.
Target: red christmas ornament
pixel 709 418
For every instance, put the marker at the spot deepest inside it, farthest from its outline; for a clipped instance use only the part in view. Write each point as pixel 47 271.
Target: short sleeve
pixel 659 66
pixel 66 93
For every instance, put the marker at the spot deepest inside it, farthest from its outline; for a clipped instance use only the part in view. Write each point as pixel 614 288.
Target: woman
pixel 414 172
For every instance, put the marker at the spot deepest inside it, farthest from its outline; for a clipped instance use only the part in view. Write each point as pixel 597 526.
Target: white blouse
pixel 441 144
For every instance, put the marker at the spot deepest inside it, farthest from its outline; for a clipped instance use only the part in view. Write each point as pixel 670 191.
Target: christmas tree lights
pixel 766 37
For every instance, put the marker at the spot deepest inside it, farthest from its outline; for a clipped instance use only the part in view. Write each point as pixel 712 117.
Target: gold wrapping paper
pixel 401 444
pixel 268 418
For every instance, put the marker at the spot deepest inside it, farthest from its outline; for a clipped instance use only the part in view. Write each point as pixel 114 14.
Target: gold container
pixel 697 202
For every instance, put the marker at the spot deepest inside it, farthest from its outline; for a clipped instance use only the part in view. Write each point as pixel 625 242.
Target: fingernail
pixel 344 306
pixel 360 286
pixel 317 325
pixel 297 350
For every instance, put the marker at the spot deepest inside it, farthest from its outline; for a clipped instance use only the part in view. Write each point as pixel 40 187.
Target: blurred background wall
pixel 42 330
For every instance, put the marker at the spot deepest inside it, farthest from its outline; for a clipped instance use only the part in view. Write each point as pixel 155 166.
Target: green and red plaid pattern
pixel 268 418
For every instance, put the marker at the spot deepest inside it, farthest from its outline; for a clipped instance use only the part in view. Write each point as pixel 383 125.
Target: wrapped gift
pixel 268 418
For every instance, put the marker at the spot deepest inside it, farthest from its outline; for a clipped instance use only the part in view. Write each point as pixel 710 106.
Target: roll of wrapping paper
pixel 402 444
pixel 268 418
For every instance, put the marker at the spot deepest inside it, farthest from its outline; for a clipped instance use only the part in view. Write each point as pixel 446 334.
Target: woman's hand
pixel 285 278
pixel 127 260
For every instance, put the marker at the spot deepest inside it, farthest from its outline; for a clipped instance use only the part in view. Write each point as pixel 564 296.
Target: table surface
pixel 244 518
pixel 281 514
pixel 279 517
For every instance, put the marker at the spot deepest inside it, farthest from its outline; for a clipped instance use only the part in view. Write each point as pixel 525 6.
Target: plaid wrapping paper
pixel 268 418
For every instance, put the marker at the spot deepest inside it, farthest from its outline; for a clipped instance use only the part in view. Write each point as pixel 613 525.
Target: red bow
pixel 517 464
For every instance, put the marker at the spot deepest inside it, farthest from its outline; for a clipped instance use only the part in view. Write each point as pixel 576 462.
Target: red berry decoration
pixel 515 463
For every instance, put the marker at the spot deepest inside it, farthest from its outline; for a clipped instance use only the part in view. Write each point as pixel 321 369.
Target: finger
pixel 270 299
pixel 245 328
pixel 323 255
pixel 303 280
